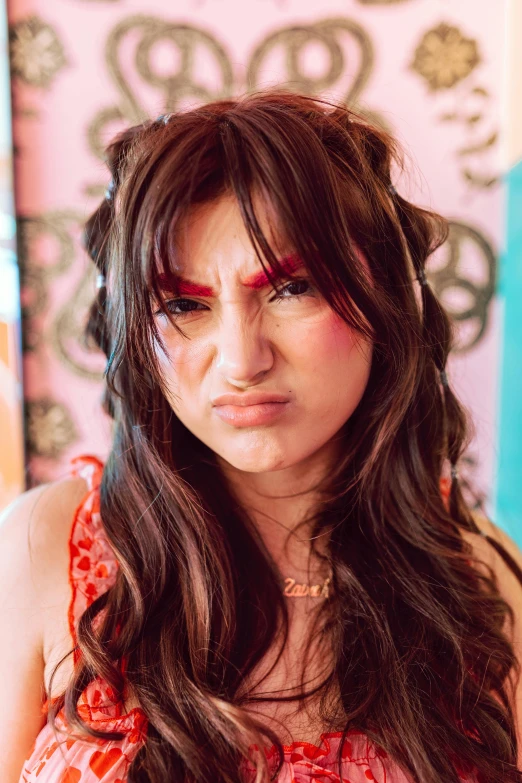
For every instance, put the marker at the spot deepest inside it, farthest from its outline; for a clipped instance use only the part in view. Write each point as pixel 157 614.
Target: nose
pixel 244 353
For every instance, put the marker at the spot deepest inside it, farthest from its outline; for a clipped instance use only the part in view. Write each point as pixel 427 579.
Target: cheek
pixel 334 363
pixel 181 369
pixel 330 341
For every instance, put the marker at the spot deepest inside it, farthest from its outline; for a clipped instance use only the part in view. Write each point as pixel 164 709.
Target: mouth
pixel 250 415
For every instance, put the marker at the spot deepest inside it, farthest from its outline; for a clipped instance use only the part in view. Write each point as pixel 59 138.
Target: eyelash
pixel 173 302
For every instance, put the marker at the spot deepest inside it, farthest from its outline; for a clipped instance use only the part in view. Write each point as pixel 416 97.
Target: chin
pixel 256 462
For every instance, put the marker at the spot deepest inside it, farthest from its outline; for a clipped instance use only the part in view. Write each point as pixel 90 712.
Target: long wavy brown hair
pixel 421 655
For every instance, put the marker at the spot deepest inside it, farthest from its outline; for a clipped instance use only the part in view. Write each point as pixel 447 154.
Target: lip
pixel 251 415
pixel 248 398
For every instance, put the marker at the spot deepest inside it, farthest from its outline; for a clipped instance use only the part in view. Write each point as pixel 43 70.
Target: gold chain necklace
pixel 294 590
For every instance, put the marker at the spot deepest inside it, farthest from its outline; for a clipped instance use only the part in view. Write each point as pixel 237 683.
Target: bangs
pixel 283 166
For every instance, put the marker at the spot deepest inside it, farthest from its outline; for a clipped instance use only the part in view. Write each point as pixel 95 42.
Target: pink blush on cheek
pixel 329 340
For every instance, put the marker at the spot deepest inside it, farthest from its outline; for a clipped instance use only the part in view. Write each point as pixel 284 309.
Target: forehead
pixel 214 233
pixel 211 246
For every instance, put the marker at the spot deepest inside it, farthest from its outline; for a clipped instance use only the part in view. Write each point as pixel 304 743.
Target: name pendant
pixel 295 590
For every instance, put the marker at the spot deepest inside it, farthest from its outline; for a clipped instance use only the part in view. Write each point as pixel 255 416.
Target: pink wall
pixel 432 69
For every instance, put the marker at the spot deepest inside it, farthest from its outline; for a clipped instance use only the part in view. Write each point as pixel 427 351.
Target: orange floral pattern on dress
pixel 361 761
pixel 70 758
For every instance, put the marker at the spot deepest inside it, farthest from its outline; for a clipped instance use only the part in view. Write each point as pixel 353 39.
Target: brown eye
pixel 299 284
pixel 172 306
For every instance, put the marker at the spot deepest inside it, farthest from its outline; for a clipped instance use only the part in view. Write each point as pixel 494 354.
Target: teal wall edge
pixel 507 500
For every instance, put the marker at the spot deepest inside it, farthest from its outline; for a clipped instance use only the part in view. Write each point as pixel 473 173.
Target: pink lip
pixel 250 415
pixel 249 398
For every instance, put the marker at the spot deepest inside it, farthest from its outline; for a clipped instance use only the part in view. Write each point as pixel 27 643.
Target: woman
pixel 276 572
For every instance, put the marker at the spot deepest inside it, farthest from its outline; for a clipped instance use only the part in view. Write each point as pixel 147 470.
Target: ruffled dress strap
pixel 92 564
pixel 93 568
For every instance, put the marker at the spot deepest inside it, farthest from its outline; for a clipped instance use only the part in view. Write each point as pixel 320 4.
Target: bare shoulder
pixel 34 533
pixel 34 592
pixel 34 558
pixel 509 585
pixel 510 589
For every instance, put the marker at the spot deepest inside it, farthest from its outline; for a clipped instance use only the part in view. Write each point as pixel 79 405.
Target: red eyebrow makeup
pixel 259 280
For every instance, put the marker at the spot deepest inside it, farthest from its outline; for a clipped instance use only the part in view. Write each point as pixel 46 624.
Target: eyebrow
pixel 255 282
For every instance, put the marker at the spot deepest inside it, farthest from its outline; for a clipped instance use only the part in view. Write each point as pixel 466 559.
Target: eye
pixel 181 307
pixel 172 304
pixel 297 283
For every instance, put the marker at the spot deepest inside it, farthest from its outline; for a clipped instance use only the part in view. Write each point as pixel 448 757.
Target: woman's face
pixel 243 340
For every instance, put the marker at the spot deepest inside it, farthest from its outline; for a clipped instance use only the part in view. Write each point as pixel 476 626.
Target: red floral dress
pixel 70 758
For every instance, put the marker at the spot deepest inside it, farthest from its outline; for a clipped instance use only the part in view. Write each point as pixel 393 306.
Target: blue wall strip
pixel 508 485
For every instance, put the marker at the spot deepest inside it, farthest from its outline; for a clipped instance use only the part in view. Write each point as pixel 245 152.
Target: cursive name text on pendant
pixel 295 590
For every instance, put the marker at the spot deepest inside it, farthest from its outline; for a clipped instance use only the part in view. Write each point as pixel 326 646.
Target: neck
pixel 279 503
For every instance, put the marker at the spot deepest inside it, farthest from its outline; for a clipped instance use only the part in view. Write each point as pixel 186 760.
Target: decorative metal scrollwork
pixel 465 249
